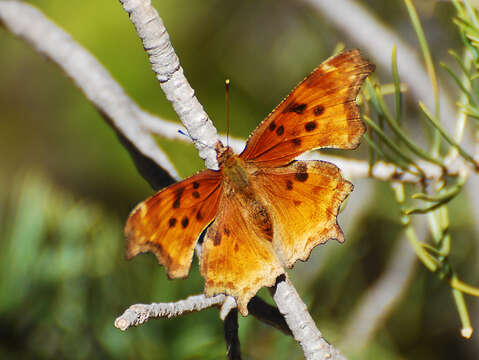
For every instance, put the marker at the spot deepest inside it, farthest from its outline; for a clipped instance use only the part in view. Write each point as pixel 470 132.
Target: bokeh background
pixel 67 186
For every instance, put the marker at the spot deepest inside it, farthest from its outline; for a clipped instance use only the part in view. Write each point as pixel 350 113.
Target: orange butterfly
pixel 264 210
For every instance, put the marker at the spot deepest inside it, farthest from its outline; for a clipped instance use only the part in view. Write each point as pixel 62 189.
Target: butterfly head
pixel 224 154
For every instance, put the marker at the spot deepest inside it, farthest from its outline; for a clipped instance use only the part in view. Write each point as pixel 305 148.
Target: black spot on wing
pixel 289 185
pixel 302 172
pixel 301 176
pixel 296 142
pixel 178 194
pixel 217 239
pixel 295 107
pixel 310 126
pixel 280 130
pixel 318 110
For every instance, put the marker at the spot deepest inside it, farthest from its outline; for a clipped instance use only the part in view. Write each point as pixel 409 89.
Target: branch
pixel 138 314
pixel 301 323
pixel 268 314
pixel 231 336
pixel 95 82
pixel 166 66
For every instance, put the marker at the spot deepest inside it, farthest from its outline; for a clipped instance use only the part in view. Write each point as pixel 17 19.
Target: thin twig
pixel 268 314
pixel 230 325
pixel 138 314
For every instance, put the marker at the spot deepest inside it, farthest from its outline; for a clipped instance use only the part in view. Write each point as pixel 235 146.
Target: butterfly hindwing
pixel 303 201
pixel 170 222
pixel 320 112
pixel 237 256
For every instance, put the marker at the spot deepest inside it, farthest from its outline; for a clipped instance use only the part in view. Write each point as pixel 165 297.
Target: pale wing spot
pixel 328 67
pixel 143 210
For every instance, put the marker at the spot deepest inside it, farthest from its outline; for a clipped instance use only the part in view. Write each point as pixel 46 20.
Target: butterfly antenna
pixel 227 96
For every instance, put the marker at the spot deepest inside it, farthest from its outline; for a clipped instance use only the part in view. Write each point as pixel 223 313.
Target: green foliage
pixel 390 141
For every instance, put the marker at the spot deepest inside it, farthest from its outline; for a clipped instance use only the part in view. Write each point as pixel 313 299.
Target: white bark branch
pixel 302 325
pixel 29 24
pixel 166 66
pixel 138 314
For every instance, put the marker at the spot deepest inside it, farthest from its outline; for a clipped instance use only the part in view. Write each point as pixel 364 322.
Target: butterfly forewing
pixel 170 222
pixel 320 112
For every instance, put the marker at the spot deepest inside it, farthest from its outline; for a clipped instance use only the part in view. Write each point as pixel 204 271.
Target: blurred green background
pixel 67 186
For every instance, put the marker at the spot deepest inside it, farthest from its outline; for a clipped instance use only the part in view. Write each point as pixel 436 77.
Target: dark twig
pixel 268 314
pixel 230 324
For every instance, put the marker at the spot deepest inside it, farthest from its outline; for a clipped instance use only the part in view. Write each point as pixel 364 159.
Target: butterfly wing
pixel 320 112
pixel 237 256
pixel 170 222
pixel 303 200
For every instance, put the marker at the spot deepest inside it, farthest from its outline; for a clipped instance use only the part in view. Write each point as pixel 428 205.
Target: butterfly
pixel 262 210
